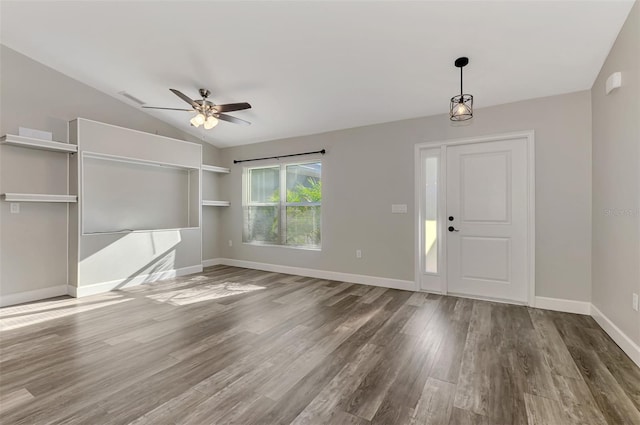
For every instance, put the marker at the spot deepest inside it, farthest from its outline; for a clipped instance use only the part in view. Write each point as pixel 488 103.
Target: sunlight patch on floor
pixel 39 312
pixel 205 292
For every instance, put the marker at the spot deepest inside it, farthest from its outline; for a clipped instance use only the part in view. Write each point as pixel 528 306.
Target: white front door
pixel 487 219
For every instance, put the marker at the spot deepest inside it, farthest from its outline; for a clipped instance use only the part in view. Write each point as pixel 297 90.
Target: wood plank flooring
pixel 239 346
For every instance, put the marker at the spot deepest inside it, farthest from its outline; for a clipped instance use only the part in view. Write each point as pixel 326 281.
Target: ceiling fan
pixel 207 112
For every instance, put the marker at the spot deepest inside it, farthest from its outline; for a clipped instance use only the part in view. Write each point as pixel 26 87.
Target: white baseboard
pixel 212 262
pixel 98 288
pixel 407 285
pixel 35 295
pixel 628 346
pixel 559 304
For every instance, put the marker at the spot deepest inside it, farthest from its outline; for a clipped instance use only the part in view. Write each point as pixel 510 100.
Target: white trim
pixel 297 247
pixel 212 262
pixel 98 288
pixel 478 139
pixel 529 135
pixel 214 169
pixel 215 203
pixel 140 231
pixel 35 295
pixel 559 304
pixel 531 225
pixel 624 341
pixel 442 214
pixel 405 285
pixel 417 213
pixel 135 161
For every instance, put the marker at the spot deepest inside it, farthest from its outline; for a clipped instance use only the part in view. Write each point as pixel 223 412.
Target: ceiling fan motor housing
pixel 207 109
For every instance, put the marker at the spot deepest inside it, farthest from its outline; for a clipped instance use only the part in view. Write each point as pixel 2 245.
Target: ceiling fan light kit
pixel 208 114
pixel 210 122
pixel 461 106
pixel 198 120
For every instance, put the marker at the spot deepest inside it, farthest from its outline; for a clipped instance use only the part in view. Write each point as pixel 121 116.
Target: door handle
pixel 453 229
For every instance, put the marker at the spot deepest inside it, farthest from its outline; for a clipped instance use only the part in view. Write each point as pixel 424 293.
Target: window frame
pixel 282 204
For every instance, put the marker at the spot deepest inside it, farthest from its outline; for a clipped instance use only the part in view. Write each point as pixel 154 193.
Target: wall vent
pixel 131 97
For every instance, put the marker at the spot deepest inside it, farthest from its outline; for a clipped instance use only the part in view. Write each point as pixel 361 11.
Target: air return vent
pixel 131 98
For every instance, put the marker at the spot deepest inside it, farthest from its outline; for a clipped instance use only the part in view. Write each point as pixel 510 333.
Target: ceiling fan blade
pixel 229 118
pixel 184 97
pixel 229 107
pixel 168 109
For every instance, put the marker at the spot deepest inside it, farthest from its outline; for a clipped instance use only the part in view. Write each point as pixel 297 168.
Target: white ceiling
pixel 311 67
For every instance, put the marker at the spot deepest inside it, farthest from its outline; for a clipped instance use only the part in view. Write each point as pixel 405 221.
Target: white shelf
pixel 214 169
pixel 38 197
pixel 46 145
pixel 177 229
pixel 215 203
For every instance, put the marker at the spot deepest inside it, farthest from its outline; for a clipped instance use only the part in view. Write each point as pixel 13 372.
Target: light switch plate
pixel 15 208
pixel 399 208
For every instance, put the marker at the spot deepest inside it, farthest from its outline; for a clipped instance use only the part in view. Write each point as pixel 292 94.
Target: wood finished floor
pixel 238 346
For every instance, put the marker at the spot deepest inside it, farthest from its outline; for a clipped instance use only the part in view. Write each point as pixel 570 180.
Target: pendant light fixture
pixel 461 107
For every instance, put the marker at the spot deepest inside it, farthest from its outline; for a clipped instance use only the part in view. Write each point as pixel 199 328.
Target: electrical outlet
pixel 230 242
pixel 635 302
pixel 15 208
pixel 358 253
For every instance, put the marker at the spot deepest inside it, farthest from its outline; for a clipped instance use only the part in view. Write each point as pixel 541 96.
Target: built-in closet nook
pixel 132 203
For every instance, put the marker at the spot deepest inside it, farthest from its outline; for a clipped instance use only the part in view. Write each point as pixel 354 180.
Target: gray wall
pixel 369 168
pixel 616 182
pixel 365 171
pixel 33 243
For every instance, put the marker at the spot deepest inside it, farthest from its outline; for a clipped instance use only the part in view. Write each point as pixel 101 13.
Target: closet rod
pixel 236 161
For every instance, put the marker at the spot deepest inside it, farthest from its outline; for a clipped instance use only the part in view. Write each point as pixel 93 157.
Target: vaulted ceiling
pixel 311 67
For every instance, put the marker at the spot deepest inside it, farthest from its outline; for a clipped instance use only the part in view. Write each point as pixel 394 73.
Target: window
pixel 282 205
pixel 430 212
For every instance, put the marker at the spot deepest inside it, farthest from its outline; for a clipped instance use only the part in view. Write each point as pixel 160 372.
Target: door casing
pixel 529 136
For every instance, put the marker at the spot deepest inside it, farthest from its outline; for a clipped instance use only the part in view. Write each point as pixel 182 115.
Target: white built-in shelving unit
pixel 45 145
pixel 219 170
pixel 139 208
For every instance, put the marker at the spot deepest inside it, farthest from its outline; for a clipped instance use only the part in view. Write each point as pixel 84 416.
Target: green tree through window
pixel 294 222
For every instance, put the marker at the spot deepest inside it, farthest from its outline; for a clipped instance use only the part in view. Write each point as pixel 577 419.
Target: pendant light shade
pixel 461 106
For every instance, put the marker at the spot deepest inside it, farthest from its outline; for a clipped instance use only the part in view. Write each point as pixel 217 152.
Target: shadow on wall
pixel 151 271
pixel 136 256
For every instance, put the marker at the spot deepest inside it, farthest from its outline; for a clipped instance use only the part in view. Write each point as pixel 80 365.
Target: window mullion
pixel 283 201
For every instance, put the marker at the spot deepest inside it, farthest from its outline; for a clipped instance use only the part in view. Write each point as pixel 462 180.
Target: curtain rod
pixel 236 161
